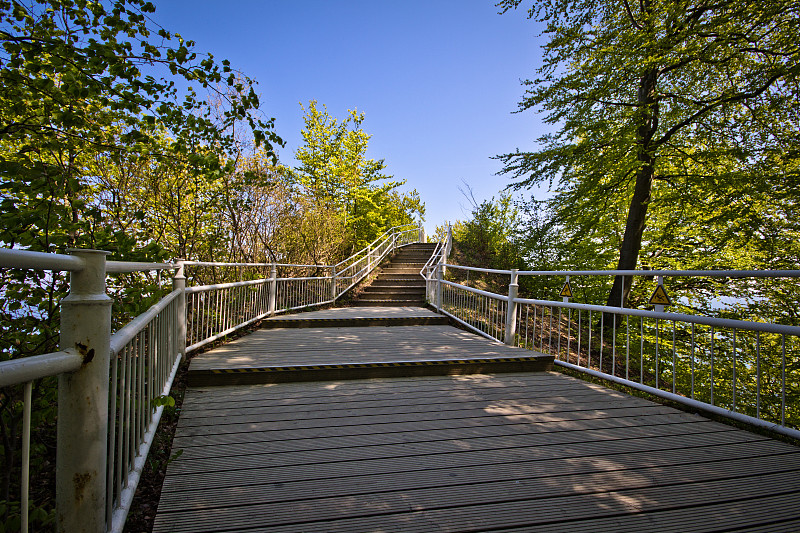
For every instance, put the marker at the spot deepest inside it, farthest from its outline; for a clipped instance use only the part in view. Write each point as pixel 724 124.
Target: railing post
pixel 439 269
pixel 179 283
pixel 511 310
pixel 273 288
pixel 81 456
pixel 369 258
pixel 422 237
pixel 333 283
pixel 447 246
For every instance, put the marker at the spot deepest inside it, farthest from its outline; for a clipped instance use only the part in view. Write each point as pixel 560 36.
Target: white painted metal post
pixel 449 239
pixel 422 236
pixel 439 269
pixel 179 283
pixel 273 288
pixel 81 454
pixel 448 245
pixel 369 258
pixel 659 308
pixel 333 283
pixel 511 310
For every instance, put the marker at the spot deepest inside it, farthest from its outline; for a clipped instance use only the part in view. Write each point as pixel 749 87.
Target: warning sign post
pixel 566 291
pixel 660 297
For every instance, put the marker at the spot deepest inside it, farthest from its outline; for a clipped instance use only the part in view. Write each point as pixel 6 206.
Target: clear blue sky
pixel 438 80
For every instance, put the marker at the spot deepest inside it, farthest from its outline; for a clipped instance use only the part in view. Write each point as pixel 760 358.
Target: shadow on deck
pixel 459 450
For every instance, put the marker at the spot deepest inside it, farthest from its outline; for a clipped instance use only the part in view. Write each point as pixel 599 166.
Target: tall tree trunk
pixel 637 211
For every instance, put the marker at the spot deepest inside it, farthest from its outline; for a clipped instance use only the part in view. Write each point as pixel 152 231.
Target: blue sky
pixel 438 80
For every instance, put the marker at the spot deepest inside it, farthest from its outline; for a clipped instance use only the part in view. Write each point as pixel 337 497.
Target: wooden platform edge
pixel 253 376
pixel 354 322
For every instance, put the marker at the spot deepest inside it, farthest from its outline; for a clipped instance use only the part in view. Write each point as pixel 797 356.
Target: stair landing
pixel 354 343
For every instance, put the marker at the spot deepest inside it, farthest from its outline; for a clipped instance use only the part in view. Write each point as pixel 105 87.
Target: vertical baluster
pixel 541 330
pixel 614 345
pixel 589 339
pixel 658 327
pixel 674 358
pixel 734 371
pixel 26 454
pixel 121 423
pixel 132 410
pixel 758 374
pixel 569 332
pixel 602 344
pixel 627 346
pixel 141 400
pixel 127 423
pixel 527 318
pixel 204 315
pixel 692 361
pixel 641 350
pixel 712 366
pixel 112 433
pixel 783 379
pixel 580 331
pixel 558 347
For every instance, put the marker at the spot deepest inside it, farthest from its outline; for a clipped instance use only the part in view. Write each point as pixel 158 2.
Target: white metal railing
pixel 744 370
pixel 106 416
pixel 214 311
pixel 112 387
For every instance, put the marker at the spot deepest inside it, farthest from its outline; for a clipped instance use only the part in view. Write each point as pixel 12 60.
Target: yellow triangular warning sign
pixel 660 297
pixel 566 292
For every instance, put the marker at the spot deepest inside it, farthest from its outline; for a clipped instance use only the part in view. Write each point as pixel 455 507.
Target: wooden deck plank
pixel 771 514
pixel 589 474
pixel 507 450
pixel 511 504
pixel 514 452
pixel 208 460
pixel 317 346
pixel 438 437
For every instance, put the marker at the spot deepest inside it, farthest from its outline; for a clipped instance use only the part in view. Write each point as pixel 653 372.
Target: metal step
pixel 391 303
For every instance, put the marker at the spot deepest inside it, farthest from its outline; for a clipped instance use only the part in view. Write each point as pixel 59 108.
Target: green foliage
pixel 488 238
pixel 163 400
pixel 335 174
pixel 91 139
pixel 677 130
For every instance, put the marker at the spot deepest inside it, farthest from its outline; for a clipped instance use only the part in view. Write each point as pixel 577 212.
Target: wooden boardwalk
pixel 335 345
pixel 527 451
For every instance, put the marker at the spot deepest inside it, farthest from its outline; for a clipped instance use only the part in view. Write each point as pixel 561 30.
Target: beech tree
pixel 689 105
pixel 91 95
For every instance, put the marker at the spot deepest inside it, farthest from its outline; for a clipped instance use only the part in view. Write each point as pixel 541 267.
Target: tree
pixel 90 108
pixel 334 172
pixel 688 106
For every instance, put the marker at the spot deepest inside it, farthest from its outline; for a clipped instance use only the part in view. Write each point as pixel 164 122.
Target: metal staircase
pixel 399 282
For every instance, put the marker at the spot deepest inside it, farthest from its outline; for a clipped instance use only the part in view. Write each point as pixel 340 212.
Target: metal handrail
pixel 505 321
pixel 25 259
pixel 142 359
pixel 35 367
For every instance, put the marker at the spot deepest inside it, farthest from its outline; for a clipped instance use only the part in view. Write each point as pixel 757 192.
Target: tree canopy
pixel 677 129
pixel 336 175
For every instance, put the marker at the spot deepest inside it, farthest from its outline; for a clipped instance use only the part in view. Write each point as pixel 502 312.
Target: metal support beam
pixel 333 284
pixel 83 400
pixel 179 283
pixel 439 269
pixel 511 310
pixel 273 289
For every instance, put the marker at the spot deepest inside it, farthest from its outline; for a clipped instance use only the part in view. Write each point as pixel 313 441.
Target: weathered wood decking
pixel 528 451
pixel 335 345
